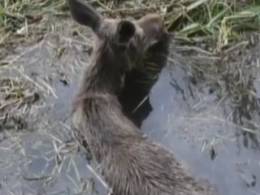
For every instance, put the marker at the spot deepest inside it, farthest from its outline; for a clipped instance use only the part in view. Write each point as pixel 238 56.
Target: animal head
pixel 129 37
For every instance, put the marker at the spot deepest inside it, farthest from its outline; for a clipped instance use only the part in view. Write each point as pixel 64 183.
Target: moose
pixel 130 163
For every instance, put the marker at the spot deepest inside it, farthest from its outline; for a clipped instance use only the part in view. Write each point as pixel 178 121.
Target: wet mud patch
pixel 37 86
pixel 205 109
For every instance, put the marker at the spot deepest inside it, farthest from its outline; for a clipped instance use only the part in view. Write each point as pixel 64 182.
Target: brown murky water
pixel 180 116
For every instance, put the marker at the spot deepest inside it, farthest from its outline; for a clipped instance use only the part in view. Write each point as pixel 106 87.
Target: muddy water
pixel 186 120
pixel 186 124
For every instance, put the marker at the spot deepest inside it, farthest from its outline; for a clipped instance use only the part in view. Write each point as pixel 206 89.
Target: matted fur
pixel 130 163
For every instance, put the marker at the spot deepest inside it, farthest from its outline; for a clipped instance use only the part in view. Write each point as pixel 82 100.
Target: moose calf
pixel 130 163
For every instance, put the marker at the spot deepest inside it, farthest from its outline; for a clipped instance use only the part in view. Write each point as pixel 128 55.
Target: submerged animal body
pixel 130 163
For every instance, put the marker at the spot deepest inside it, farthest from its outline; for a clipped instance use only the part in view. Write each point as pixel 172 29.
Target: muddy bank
pixel 41 158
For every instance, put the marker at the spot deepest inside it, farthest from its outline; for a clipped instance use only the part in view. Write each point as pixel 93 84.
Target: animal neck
pixel 106 72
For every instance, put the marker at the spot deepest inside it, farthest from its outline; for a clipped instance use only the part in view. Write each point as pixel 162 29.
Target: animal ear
pixel 84 14
pixel 125 31
pixel 154 28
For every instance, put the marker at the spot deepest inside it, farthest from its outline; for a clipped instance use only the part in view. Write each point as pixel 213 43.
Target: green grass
pixel 221 21
pixel 218 20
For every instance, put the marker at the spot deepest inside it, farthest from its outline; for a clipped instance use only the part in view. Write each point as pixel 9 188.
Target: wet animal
pixel 130 163
pixel 134 97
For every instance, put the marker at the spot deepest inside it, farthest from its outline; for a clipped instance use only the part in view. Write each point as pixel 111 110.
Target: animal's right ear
pixel 154 29
pixel 84 14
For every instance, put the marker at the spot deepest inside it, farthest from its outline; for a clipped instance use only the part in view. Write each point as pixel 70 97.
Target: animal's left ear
pixel 124 32
pixel 84 14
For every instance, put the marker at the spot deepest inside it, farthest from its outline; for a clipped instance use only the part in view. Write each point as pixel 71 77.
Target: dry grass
pixel 217 47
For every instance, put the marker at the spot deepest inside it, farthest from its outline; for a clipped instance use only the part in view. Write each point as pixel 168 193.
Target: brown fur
pixel 130 163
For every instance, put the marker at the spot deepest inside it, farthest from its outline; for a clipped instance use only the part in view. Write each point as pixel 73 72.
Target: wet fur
pixel 130 163
pixel 138 83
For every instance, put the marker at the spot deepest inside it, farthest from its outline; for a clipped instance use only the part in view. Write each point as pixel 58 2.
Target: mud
pixel 42 159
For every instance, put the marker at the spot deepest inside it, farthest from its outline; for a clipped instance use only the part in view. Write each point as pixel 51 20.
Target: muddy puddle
pixel 42 159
